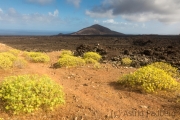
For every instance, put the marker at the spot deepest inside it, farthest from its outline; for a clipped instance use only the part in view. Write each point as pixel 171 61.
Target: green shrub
pixel 92 55
pixel 97 65
pixel 66 52
pixel 37 57
pixel 14 51
pixel 5 63
pixel 26 93
pixel 126 61
pixel 167 68
pixel 90 61
pixel 9 56
pixel 68 61
pixel 8 60
pixel 149 79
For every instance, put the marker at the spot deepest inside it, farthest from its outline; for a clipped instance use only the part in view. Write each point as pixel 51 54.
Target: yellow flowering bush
pixel 90 61
pixel 92 55
pixel 126 61
pixel 167 68
pixel 67 59
pixel 37 57
pixel 149 79
pixel 66 52
pixel 14 51
pixel 26 93
pixel 9 56
pixel 70 61
pixel 7 60
pixel 5 63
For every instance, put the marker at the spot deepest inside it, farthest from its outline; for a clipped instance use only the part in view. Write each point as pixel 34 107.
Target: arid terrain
pixel 93 93
pixel 142 49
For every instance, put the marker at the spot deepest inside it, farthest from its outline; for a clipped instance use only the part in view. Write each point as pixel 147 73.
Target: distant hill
pixel 60 34
pixel 96 30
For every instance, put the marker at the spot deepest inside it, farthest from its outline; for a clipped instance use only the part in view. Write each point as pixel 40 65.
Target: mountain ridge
pixel 96 29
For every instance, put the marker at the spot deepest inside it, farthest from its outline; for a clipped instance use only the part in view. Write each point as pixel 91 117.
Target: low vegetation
pixel 67 59
pixel 92 55
pixel 37 57
pixel 5 63
pixel 14 51
pixel 26 93
pixel 8 55
pixel 20 63
pixel 70 61
pixel 167 68
pixel 150 79
pixel 66 52
pixel 126 61
pixel 7 60
pixel 90 61
pixel 10 59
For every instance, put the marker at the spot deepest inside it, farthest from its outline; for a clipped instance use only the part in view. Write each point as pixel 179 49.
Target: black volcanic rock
pixel 96 30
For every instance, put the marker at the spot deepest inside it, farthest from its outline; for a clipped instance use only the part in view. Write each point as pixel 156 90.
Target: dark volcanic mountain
pixel 96 30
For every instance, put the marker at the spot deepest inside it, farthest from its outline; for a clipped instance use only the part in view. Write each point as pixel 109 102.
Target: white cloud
pixel 110 21
pixel 143 17
pixel 12 16
pixel 166 11
pixel 76 3
pixel 1 11
pixel 55 14
pixel 42 2
pixel 96 21
pixel 106 14
pixel 12 11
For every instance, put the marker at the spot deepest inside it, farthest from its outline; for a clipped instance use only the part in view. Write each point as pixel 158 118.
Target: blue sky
pixel 126 16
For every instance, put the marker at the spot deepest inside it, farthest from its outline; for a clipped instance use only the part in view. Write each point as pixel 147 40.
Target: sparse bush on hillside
pixel 126 61
pixel 26 93
pixel 5 63
pixel 92 55
pixel 9 56
pixel 20 63
pixel 93 62
pixel 97 65
pixel 90 61
pixel 70 61
pixel 66 52
pixel 149 79
pixel 37 57
pixel 8 60
pixel 167 68
pixel 14 51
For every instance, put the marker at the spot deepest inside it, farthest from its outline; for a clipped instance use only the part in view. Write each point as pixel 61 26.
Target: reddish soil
pixel 91 93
